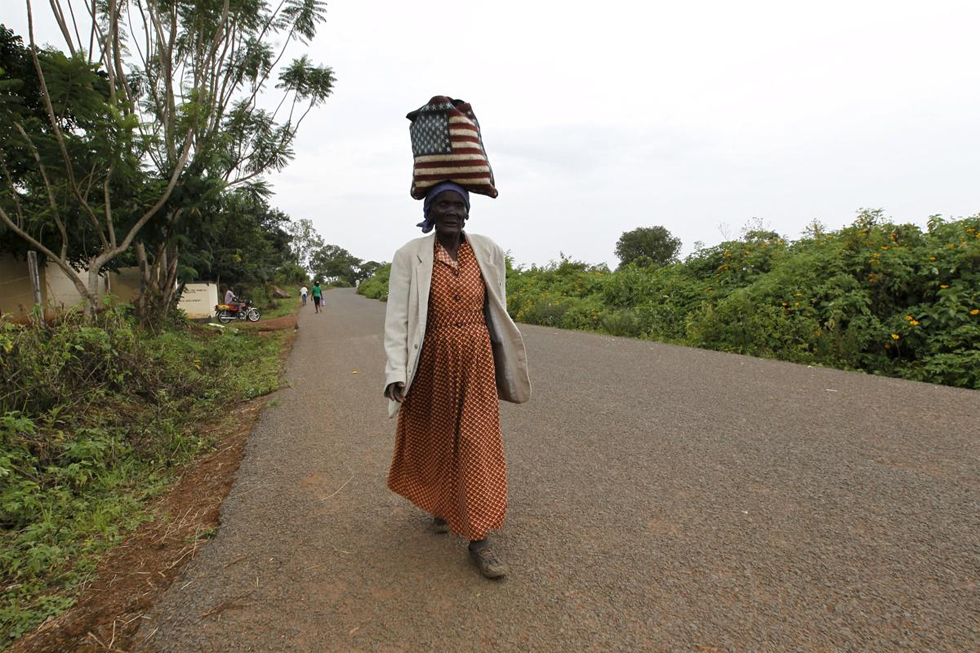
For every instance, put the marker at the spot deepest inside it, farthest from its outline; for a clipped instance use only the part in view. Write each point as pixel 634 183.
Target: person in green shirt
pixel 317 295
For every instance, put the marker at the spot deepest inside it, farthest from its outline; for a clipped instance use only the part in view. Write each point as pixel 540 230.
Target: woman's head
pixel 447 202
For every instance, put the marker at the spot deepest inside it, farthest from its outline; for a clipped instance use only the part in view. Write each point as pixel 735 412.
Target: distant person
pixel 229 297
pixel 302 293
pixel 317 295
pixel 446 333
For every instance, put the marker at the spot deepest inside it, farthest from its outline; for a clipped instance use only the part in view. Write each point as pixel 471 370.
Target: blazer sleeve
pixel 502 273
pixel 396 320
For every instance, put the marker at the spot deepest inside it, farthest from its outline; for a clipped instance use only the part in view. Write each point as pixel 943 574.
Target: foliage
pixel 304 242
pixel 875 296
pixel 244 241
pixel 95 418
pixel 338 267
pixel 376 286
pixel 335 265
pixel 118 148
pixel 647 246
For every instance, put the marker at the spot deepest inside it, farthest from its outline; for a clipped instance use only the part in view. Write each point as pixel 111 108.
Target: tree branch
pixel 14 195
pixel 109 255
pixel 48 188
pixel 59 17
pixel 38 245
pixel 59 136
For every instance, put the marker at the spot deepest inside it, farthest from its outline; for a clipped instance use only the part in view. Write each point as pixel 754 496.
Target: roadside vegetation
pixel 883 298
pixel 154 157
pixel 376 286
pixel 96 418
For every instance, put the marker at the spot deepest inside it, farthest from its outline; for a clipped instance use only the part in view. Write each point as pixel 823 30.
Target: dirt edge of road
pixel 132 576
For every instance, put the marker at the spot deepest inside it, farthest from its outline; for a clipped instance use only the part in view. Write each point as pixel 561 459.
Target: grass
pixel 282 308
pixel 96 418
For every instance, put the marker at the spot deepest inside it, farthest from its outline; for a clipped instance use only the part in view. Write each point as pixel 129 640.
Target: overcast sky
pixel 606 116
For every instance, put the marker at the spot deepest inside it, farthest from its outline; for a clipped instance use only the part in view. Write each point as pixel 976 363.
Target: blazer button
pixel 457 297
pixel 459 324
pixel 416 346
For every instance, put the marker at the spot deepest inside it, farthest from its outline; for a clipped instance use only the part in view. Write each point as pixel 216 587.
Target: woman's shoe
pixel 440 526
pixel 489 563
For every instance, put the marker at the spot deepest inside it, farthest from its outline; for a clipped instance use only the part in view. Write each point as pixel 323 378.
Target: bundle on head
pixel 447 146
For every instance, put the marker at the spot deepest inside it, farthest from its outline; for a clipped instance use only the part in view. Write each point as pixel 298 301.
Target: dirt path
pixel 661 499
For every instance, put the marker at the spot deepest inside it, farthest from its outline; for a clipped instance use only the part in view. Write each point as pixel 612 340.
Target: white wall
pixel 198 300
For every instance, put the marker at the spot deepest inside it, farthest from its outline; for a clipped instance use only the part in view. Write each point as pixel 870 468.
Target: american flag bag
pixel 447 146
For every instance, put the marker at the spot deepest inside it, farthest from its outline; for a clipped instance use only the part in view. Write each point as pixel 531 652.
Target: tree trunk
pixel 159 283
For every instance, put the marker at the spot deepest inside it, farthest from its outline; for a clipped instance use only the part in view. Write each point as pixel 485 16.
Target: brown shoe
pixel 490 564
pixel 439 526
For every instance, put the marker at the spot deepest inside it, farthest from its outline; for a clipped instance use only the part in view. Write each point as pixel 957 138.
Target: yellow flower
pixel 895 336
pixel 909 317
pixel 932 258
pixel 785 304
pixel 884 246
pixel 914 322
pixel 944 286
pixel 799 294
pixel 975 311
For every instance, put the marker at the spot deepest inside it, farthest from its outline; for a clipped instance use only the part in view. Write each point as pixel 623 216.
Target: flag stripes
pixel 447 146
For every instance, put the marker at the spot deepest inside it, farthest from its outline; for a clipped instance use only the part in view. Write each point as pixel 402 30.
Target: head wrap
pixel 438 189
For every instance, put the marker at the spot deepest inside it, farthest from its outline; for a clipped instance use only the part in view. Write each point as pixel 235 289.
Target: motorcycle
pixel 242 310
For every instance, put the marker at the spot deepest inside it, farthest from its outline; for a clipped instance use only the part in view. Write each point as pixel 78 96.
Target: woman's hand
pixel 395 392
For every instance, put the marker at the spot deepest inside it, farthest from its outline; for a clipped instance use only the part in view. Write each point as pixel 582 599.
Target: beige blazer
pixel 407 312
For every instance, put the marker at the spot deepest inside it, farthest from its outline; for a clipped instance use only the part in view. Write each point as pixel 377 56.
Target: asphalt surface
pixel 661 498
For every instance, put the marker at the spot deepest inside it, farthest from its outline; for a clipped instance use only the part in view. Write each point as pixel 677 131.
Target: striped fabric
pixel 447 146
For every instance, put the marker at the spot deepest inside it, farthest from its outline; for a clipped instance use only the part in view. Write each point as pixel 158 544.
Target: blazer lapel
pixel 423 275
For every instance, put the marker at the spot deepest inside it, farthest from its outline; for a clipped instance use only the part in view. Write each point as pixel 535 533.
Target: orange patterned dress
pixel 449 455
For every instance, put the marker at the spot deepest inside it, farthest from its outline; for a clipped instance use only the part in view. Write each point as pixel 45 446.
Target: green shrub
pixel 622 322
pixel 376 286
pixel 95 416
pixel 874 296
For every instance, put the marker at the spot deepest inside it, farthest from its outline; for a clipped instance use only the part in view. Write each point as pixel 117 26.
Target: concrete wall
pixel 58 292
pixel 198 300
pixel 125 284
pixel 16 295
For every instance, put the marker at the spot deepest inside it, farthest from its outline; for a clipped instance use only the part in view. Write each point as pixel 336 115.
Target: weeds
pixel 880 297
pixel 95 417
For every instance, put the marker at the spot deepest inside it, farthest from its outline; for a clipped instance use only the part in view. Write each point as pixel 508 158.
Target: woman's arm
pixel 396 324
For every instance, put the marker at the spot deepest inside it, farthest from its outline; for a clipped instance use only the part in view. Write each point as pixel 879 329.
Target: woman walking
pixel 317 296
pixel 452 349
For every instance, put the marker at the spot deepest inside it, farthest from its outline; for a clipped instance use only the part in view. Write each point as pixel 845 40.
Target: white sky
pixel 606 116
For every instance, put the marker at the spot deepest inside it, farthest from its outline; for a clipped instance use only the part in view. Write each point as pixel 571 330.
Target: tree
pixel 367 269
pixel 62 148
pixel 304 242
pixel 336 264
pixel 244 240
pixel 173 123
pixel 646 246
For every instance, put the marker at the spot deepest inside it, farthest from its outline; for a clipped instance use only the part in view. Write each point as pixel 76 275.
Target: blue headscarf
pixel 438 189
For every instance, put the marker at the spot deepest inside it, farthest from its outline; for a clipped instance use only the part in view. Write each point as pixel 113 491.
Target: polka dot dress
pixel 449 456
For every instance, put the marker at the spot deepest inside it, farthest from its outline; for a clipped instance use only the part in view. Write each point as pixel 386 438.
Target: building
pixel 58 292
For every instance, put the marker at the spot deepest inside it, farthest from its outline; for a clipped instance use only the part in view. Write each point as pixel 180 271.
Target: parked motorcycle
pixel 243 310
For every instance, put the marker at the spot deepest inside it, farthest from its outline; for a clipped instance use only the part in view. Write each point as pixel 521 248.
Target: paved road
pixel 662 499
